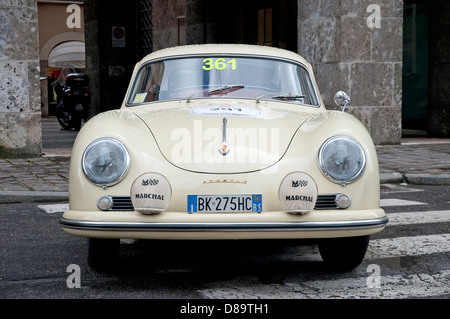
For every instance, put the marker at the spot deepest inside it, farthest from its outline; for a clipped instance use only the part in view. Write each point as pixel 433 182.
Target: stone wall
pixel 20 106
pixel 350 53
pixel 178 22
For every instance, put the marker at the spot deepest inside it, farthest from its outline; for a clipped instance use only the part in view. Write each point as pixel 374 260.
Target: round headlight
pixel 342 159
pixel 105 162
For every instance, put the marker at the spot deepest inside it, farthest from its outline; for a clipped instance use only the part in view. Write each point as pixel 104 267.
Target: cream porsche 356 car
pixel 225 142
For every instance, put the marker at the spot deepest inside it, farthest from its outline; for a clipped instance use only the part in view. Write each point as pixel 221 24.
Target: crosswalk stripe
pixel 418 217
pixel 399 286
pixel 408 246
pixel 396 286
pixel 382 248
pixel 388 202
pixel 54 208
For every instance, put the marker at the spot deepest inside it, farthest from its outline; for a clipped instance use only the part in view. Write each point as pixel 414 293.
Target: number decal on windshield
pixel 218 64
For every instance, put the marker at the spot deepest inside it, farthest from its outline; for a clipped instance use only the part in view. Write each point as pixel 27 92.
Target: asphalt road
pixel 54 137
pixel 409 259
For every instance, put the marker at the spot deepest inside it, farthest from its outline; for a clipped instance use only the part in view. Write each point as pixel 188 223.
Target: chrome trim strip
pixel 225 227
pixel 223 149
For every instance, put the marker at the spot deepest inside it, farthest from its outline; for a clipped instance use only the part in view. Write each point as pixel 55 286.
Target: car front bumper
pixel 271 225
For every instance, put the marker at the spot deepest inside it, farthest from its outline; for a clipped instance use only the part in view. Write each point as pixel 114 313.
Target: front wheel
pixel 343 254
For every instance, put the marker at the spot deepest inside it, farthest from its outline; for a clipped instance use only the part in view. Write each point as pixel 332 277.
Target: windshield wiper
pixel 289 96
pixel 226 87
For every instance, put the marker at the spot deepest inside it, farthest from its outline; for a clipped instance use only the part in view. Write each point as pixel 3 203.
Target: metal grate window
pixel 145 45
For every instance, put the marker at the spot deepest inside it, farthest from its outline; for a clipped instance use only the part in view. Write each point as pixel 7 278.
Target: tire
pixel 63 118
pixel 76 123
pixel 343 254
pixel 103 254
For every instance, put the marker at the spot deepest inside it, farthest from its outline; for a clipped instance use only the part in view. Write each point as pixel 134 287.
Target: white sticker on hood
pixel 225 110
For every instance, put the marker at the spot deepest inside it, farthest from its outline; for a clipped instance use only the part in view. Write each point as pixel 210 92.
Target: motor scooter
pixel 73 101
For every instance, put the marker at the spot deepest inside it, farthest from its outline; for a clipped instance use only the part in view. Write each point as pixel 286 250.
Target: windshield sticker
pixel 226 111
pixel 218 64
pixel 139 98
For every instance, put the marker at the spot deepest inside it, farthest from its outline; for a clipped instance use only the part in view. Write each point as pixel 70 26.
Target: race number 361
pixel 218 64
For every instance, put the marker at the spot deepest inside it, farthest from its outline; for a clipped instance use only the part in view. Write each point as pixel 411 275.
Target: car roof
pixel 245 49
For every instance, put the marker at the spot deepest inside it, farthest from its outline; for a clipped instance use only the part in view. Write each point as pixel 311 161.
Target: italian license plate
pixel 224 203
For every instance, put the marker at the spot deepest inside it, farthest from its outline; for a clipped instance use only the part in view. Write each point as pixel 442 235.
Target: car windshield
pixel 223 77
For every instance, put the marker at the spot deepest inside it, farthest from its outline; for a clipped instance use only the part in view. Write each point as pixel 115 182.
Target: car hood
pixel 226 137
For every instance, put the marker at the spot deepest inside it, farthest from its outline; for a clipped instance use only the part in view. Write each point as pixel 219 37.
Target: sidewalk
pixel 416 161
pixel 420 161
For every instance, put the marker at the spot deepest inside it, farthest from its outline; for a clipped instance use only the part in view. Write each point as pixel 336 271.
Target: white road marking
pixel 408 246
pixel 127 241
pixel 398 287
pixel 54 208
pixel 398 202
pixel 418 217
pixel 395 287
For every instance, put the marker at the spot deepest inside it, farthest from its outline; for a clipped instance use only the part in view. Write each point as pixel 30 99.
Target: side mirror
pixel 342 99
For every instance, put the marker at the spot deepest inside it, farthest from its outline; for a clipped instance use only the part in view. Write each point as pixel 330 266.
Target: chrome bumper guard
pixel 224 227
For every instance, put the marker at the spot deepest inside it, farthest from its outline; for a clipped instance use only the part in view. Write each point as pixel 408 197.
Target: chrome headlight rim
pixel 332 178
pixel 126 165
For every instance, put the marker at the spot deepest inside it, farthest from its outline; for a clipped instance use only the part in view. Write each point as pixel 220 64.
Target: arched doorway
pixel 69 54
pixel 64 50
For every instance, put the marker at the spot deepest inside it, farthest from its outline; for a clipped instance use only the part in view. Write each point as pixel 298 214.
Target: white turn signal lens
pixel 343 201
pixel 104 203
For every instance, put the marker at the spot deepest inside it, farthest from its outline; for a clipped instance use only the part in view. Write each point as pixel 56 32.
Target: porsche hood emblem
pixel 224 150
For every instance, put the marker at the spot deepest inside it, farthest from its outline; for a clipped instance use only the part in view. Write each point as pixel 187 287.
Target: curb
pixel 415 178
pixel 391 178
pixel 428 179
pixel 9 197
